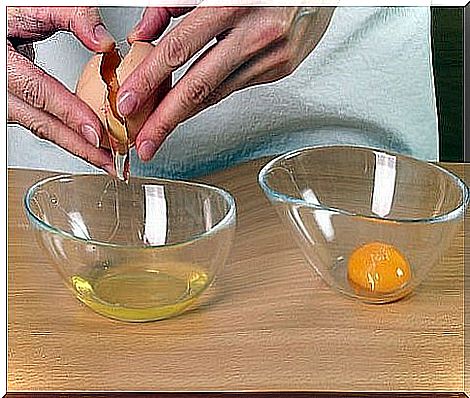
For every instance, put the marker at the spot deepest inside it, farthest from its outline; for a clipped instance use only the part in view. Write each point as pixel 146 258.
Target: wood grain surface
pixel 268 324
pixel 284 394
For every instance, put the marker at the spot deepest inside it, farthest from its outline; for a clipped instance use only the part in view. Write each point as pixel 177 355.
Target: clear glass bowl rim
pixel 228 217
pixel 283 197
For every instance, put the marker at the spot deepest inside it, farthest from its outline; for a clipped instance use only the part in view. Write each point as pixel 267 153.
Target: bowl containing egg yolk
pixel 371 223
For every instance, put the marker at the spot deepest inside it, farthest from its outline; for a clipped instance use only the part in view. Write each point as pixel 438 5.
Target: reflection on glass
pixel 78 226
pixel 207 213
pixel 384 183
pixel 322 217
pixel 156 224
pixel 57 246
pixel 297 220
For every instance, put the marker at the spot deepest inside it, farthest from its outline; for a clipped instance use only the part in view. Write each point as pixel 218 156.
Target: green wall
pixel 447 39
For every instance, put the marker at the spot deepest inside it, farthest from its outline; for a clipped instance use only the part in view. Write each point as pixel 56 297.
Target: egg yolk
pixel 378 268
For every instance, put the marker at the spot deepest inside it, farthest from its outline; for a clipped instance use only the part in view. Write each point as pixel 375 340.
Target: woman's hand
pixel 255 45
pixel 41 103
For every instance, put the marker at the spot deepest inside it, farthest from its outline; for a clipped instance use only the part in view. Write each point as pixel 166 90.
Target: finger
pixel 29 22
pixel 147 147
pixel 211 79
pixel 267 67
pixel 48 127
pixel 279 60
pixel 204 76
pixel 36 22
pixel 86 24
pixel 242 79
pixel 173 51
pixel 276 62
pixel 42 91
pixel 154 22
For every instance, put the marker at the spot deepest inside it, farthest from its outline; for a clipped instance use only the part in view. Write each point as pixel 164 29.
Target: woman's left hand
pixel 255 45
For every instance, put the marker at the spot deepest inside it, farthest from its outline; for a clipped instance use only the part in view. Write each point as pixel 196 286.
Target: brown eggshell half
pixel 92 89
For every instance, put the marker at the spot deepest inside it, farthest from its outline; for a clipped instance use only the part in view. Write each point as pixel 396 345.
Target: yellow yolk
pixel 378 268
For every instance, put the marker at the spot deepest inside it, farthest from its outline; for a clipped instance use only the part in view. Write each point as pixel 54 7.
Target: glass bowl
pixel 137 251
pixel 371 223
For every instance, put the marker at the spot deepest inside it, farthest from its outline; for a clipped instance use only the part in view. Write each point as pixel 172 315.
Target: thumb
pixel 154 22
pixel 87 26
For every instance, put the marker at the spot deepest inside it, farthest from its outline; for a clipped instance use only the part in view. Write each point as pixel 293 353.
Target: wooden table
pixel 274 324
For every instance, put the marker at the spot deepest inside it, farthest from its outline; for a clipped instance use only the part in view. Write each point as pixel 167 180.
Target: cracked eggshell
pixel 92 89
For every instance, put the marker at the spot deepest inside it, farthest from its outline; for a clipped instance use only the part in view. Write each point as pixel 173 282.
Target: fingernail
pixel 103 37
pixel 126 103
pixel 90 134
pixel 147 149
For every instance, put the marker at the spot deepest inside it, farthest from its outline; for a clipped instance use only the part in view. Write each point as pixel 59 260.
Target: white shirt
pixel 368 82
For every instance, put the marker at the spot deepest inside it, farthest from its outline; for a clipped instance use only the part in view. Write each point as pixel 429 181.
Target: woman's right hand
pixel 40 102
